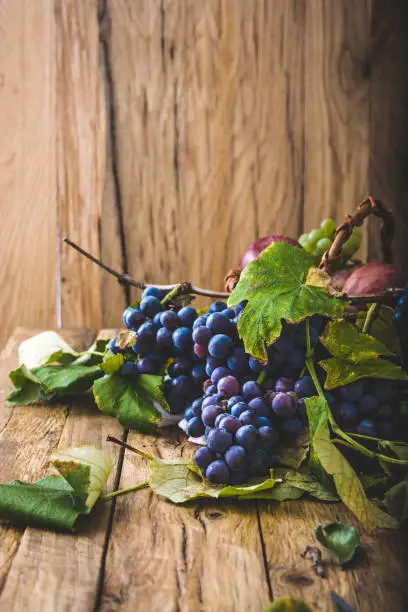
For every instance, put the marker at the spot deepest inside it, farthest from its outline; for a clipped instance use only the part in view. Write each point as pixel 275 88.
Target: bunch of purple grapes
pixel 163 334
pixel 368 407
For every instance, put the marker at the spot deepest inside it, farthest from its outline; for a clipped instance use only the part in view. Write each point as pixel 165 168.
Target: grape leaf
pixel 396 501
pixel 27 387
pixel 276 287
pixel 347 483
pixel 341 540
pixel 112 363
pixel 43 348
pixel 382 328
pixel 131 400
pixel 355 355
pixel 57 501
pixel 180 481
pixel 307 482
pixel 68 379
pixel 287 604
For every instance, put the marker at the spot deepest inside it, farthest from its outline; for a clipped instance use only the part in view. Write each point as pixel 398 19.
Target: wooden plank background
pixel 164 135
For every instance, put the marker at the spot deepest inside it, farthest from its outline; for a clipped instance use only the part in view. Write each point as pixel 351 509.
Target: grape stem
pixel 141 485
pixel 371 314
pixel 125 279
pixel 129 447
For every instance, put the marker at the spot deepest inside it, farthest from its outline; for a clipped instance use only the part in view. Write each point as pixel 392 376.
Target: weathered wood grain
pixel 27 166
pixel 81 139
pixel 58 571
pixel 166 557
pixel 337 108
pixel 388 125
pixel 210 132
pixel 27 435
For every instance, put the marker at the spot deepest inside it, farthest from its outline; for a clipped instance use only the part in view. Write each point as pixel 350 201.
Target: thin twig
pixel 141 485
pixel 131 448
pixel 125 279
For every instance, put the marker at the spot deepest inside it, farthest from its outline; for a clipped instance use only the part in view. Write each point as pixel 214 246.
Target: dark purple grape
pixel 229 312
pixel 258 463
pixel 196 406
pixel 219 373
pixel 198 372
pixel 367 428
pixel 210 390
pixel 212 363
pixel 247 436
pixel 216 398
pixel 220 346
pixel 236 458
pixel 155 292
pixel 146 365
pixel 217 323
pixel 268 437
pixel 352 392
pixel 200 321
pixel 112 346
pixel 179 366
pixel 133 317
pixel 170 319
pixel 283 385
pixel 219 440
pixel 187 316
pixel 231 424
pixel 228 386
pixel 284 405
pixel 217 307
pixel 250 390
pixel 182 339
pixel 218 472
pixel 304 387
pixel 260 406
pixel 182 385
pixel 249 417
pixel 234 400
pixel 368 405
pixel 220 418
pixel 195 427
pixel 202 335
pixel 292 428
pixel 203 457
pixel 238 362
pixel 264 421
pixel 209 414
pixel 150 306
pixel 164 338
pixel 129 369
pixel 188 413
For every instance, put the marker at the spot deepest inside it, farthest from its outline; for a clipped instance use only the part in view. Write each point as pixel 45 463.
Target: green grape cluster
pixel 320 240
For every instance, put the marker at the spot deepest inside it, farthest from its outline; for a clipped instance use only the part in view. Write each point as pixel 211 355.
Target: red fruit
pixel 255 248
pixel 339 277
pixel 372 278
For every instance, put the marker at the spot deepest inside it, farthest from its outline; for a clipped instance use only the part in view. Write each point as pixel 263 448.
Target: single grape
pixel 203 457
pixel 209 414
pixel 323 245
pixel 146 331
pixel 200 321
pixel 247 436
pixel 164 337
pixel 187 316
pixel 219 418
pixel 268 437
pixel 219 373
pixel 182 339
pixel 200 350
pixel 292 428
pixel 260 407
pixel 219 440
pixel 195 427
pixel 217 472
pixel 238 408
pixel 228 386
pixel 213 399
pixel 238 362
pixel 314 237
pixel 155 292
pixel 283 385
pixel 231 423
pixel 202 335
pixel 218 323
pixel 234 400
pixel 367 405
pixel 210 390
pixel 150 306
pixel 304 387
pixel 229 312
pixel 217 307
pixel 352 392
pixel 236 458
pixel 112 346
pixel 347 413
pixel 284 405
pixel 169 319
pixel 249 417
pixel 129 369
pixel 250 390
pixel 188 413
pixel 196 406
pixel 367 428
pixel 328 227
pixel 303 240
pixel 264 421
pixel 220 346
pixel 146 365
pixel 133 317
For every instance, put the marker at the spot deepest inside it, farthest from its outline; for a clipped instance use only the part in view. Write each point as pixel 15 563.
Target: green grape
pixel 352 244
pixel 328 227
pixel 303 240
pixel 323 245
pixel 314 237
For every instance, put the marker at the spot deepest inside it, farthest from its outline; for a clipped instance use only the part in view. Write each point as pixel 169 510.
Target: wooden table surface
pixel 139 552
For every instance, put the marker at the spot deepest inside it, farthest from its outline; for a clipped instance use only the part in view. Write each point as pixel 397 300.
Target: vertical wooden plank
pixel 27 165
pixel 165 557
pixel 337 63
pixel 209 123
pixel 81 134
pixel 389 123
pixel 60 571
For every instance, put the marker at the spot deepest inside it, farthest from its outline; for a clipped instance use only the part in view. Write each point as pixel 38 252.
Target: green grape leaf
pixel 355 355
pixel 396 501
pixel 55 502
pixel 346 481
pixel 112 363
pixel 308 482
pixel 287 604
pixel 70 379
pixel 27 387
pixel 277 287
pixel 180 482
pixel 133 401
pixel 382 328
pixel 341 540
